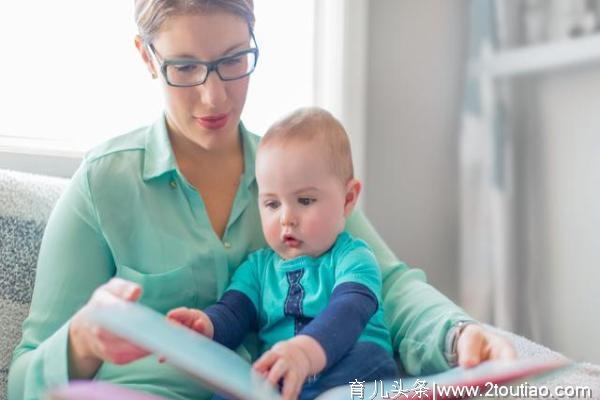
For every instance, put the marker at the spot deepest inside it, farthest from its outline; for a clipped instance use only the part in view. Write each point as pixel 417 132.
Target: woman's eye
pixel 186 68
pixel 305 201
pixel 232 61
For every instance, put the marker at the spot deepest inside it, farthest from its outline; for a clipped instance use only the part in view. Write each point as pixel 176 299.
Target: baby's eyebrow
pixel 306 189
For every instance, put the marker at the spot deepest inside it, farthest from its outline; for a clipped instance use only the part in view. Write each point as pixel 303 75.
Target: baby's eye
pixel 272 204
pixel 306 201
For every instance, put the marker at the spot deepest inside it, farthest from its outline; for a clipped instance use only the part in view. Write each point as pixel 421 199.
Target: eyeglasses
pixel 190 72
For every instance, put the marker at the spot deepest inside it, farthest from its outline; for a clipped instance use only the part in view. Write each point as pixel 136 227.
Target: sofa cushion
pixel 26 201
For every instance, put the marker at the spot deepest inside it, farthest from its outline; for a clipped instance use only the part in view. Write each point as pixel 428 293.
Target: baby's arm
pixel 227 322
pixel 322 342
pixel 337 328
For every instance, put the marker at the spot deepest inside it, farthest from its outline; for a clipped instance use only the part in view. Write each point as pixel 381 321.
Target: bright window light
pixel 79 80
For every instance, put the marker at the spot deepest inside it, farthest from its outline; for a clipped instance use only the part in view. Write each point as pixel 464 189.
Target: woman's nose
pixel 212 91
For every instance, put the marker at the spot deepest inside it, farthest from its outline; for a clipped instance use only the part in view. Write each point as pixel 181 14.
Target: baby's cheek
pixel 322 230
pixel 271 232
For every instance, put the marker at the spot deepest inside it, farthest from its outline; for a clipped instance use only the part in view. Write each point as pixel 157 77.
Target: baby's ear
pixel 353 188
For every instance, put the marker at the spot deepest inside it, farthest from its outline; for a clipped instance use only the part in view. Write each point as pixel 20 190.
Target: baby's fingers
pixel 183 316
pixel 264 363
pixel 277 371
pixel 291 386
pixel 199 326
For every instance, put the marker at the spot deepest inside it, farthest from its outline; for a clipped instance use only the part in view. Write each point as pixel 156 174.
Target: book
pixel 490 379
pixel 216 366
pixel 93 390
pixel 223 370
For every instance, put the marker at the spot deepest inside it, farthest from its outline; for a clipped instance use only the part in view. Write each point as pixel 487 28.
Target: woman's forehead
pixel 204 36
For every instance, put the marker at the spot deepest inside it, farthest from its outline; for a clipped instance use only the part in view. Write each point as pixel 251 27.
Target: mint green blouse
pixel 129 212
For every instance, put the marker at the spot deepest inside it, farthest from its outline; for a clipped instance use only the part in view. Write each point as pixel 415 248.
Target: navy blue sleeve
pixel 233 316
pixel 339 326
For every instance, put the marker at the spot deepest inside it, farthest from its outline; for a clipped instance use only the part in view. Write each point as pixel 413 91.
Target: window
pixel 71 74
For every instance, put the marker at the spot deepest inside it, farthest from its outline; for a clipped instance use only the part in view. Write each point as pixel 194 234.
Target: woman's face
pixel 207 114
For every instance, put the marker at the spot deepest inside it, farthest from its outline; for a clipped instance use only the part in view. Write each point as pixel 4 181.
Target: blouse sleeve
pixel 74 259
pixel 417 315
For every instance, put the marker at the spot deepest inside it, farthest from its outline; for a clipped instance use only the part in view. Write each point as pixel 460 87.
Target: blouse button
pixel 227 245
pixel 173 184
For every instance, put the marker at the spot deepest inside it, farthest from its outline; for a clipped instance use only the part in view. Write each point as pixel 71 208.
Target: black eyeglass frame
pixel 210 65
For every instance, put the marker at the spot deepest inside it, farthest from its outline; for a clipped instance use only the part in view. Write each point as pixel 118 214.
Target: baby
pixel 314 296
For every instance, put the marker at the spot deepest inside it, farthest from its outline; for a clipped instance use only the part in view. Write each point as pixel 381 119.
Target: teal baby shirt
pixel 265 278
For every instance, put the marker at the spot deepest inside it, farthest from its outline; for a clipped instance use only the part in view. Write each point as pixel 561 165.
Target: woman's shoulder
pixel 117 162
pixel 130 141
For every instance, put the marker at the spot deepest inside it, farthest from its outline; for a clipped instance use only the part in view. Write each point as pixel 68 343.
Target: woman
pixel 166 213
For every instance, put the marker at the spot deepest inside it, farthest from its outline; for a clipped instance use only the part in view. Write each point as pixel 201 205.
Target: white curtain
pixel 488 280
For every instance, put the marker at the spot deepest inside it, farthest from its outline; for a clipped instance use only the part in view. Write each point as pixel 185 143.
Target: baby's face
pixel 301 200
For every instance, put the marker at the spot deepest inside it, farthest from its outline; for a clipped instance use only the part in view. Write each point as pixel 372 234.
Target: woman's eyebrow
pixel 186 56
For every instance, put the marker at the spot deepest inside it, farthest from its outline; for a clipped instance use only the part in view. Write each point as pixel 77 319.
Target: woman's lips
pixel 213 121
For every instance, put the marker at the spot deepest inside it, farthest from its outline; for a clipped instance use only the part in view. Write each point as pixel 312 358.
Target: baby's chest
pixel 299 293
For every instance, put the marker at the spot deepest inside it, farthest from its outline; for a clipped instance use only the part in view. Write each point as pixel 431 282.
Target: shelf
pixel 39 146
pixel 539 58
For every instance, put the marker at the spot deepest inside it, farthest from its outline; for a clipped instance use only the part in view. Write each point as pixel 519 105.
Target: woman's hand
pixel 89 344
pixel 193 319
pixel 475 345
pixel 290 361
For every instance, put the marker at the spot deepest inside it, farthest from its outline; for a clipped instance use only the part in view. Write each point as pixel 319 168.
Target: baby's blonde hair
pixel 314 124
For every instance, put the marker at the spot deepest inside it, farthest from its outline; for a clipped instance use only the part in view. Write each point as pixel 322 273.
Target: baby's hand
pixel 193 319
pixel 475 345
pixel 286 360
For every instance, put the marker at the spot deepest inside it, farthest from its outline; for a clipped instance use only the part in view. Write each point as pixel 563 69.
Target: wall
pixel 416 58
pixel 566 186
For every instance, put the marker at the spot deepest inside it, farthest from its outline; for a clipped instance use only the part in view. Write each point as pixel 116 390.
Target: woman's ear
pixel 143 50
pixel 353 188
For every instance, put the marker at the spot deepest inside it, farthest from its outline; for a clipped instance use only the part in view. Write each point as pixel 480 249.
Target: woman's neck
pixel 190 154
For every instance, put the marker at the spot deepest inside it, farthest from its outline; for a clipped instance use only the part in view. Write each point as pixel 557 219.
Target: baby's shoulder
pixel 347 245
pixel 260 257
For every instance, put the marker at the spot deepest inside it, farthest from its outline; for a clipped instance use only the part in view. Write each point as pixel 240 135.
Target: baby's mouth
pixel 291 241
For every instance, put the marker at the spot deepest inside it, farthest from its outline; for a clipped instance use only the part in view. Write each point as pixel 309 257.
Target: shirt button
pixel 173 184
pixel 227 245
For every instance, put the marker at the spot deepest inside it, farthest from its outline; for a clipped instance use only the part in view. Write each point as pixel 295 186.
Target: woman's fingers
pixel 103 344
pixel 471 346
pixel 115 349
pixel 476 345
pixel 123 289
pixel 114 291
pixel 500 348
